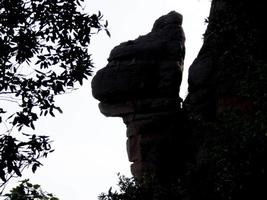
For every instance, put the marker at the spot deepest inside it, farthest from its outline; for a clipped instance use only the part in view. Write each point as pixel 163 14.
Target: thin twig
pixel 10 100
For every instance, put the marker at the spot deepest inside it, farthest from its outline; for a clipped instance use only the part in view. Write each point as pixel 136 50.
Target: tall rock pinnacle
pixel 141 84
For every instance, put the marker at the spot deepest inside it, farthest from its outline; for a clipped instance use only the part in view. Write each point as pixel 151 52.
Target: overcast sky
pixel 90 148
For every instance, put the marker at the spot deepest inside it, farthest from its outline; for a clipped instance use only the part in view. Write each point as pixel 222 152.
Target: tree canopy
pixel 43 53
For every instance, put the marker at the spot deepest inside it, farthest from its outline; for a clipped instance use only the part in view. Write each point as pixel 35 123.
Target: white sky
pixel 90 148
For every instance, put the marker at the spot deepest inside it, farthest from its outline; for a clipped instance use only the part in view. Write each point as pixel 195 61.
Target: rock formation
pixel 215 144
pixel 226 104
pixel 141 84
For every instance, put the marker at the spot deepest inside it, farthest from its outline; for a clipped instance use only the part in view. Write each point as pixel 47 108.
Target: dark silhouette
pixel 43 53
pixel 28 191
pixel 221 128
pixel 141 84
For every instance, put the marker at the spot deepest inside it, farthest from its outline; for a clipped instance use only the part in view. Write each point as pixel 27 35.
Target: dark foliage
pixel 43 53
pixel 29 191
pixel 146 189
pixel 231 161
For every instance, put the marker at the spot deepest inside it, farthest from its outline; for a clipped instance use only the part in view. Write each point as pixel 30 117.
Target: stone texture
pixel 154 139
pixel 133 148
pixel 138 106
pixel 165 41
pixel 150 66
pixel 141 84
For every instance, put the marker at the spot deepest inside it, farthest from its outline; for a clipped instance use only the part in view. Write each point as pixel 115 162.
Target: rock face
pixel 215 145
pixel 150 66
pixel 226 104
pixel 234 37
pixel 141 84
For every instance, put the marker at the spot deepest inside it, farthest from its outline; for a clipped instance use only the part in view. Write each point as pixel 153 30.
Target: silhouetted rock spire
pixel 141 84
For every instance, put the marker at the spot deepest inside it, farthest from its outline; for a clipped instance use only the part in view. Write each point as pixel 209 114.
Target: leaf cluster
pixel 29 191
pixel 16 155
pixel 145 189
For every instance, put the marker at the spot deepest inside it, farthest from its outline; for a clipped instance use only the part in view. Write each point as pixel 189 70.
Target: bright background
pixel 90 148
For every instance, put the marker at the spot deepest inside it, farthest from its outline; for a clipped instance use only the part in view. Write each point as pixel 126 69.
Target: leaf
pixel 20 127
pixel 28 184
pixel 17 94
pixel 34 116
pixel 46 112
pixel 25 134
pixel 54 198
pixel 51 113
pixel 2 110
pixel 78 2
pixel 16 170
pixel 10 116
pixel 110 191
pixel 39 71
pixel 2 175
pixel 34 167
pixel 106 24
pixel 59 109
pixel 107 32
pixel 36 186
pixel 32 125
pixel 15 121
